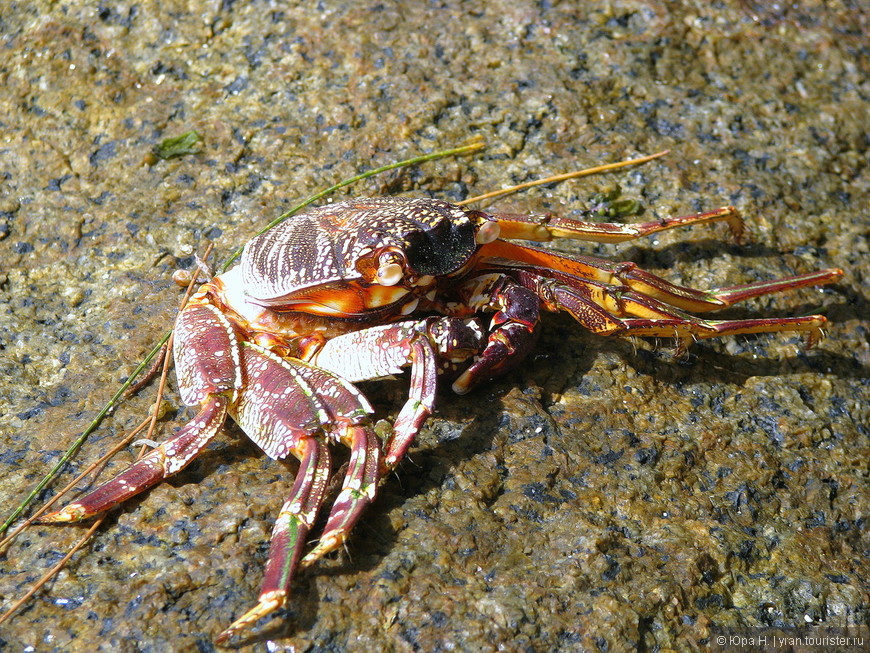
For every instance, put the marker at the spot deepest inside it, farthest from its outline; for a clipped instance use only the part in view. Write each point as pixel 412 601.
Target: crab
pixel 362 290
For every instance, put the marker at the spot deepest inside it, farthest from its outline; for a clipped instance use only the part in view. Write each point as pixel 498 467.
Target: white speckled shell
pixel 323 246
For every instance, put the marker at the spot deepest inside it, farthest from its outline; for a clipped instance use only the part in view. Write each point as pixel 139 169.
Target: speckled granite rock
pixel 604 497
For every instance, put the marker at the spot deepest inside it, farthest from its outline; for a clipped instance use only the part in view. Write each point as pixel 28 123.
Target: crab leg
pixel 420 404
pixel 168 458
pixel 611 309
pixel 619 310
pixel 733 294
pixel 683 329
pixel 348 422
pixel 551 264
pixel 358 490
pixel 546 227
pixel 501 254
pixel 210 380
pixel 649 285
pixel 288 407
pixel 288 536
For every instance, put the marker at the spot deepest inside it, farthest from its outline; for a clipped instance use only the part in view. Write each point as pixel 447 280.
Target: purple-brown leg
pixel 289 534
pixel 168 458
pixel 289 407
pixel 455 340
pixel 358 490
pixel 209 379
pixel 420 404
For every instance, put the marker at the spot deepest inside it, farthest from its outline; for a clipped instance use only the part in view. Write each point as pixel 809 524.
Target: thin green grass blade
pixel 79 441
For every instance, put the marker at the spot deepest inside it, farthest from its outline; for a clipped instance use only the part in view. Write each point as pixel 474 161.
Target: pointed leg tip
pixel 72 512
pixel 313 556
pixel 326 545
pixel 267 604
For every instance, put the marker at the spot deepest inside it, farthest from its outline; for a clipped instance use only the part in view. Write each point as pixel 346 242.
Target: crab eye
pixel 487 232
pixel 389 273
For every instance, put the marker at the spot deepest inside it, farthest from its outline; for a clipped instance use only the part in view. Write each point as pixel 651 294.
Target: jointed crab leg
pixel 587 268
pixel 670 322
pixel 733 294
pixel 288 407
pixel 546 227
pixel 504 254
pixel 383 351
pixel 358 491
pixel 289 534
pixel 210 381
pixel 167 459
pixel 420 404
pixel 298 513
pixel 608 309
